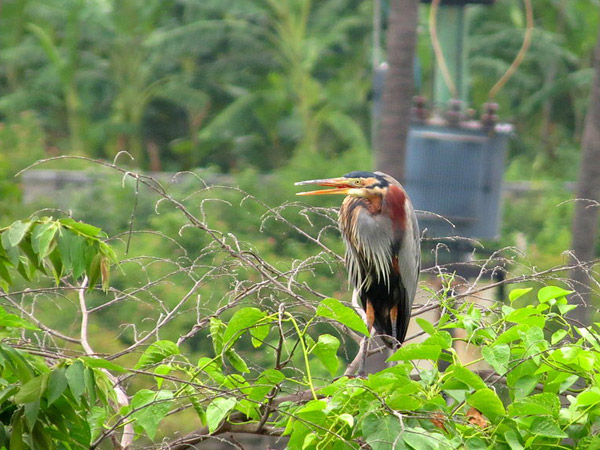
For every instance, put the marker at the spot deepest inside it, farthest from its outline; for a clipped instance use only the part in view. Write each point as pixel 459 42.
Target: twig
pixel 122 398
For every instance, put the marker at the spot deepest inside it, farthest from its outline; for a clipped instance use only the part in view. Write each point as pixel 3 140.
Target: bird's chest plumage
pixel 371 238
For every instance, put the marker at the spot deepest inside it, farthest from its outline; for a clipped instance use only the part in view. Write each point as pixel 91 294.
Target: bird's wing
pixel 409 254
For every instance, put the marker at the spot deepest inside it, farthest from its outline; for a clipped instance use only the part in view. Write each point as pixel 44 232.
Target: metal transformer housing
pixel 456 172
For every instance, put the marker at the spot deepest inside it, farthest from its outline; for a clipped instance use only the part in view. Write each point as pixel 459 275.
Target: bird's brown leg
pixel 370 313
pixel 393 319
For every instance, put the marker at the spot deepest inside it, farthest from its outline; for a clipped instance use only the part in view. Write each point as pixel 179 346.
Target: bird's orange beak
pixel 341 186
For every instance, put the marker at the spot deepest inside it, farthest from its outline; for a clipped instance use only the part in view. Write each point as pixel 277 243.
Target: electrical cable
pixel 509 72
pixel 519 58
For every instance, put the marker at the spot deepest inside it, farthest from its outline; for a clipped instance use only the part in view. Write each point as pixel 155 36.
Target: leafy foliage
pixel 107 76
pixel 272 359
pixel 58 247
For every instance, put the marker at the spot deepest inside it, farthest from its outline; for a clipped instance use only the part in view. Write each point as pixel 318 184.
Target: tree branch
pixel 122 398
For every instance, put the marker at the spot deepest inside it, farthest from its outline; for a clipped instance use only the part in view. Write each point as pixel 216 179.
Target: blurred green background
pixel 275 87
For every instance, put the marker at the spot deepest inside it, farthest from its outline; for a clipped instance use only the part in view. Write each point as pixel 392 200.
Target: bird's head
pixel 355 184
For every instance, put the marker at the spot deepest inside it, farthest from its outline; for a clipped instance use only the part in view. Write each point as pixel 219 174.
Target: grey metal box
pixel 456 173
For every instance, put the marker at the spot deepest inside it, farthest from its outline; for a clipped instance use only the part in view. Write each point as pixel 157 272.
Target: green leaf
pixel 76 379
pixel 265 382
pixel 259 334
pixel 347 418
pixel 487 402
pixel 545 426
pixel 564 309
pixel 4 273
pixel 14 321
pixel 217 410
pixel 539 404
pixel 25 269
pixel 83 228
pixel 416 351
pixel 518 293
pixel 42 237
pixel 212 369
pixel 426 326
pixel 420 439
pixel 404 402
pixel 16 232
pixel 558 336
pixel 271 376
pixel 298 431
pixel 463 374
pixel 326 351
pixel 157 352
pixel 40 438
pixel 66 240
pixel 154 407
pixel 534 342
pixel 382 432
pixel 57 265
pixel 198 408
pixel 77 256
pixel 309 441
pixel 588 398
pixel 107 251
pixel 498 357
pixel 163 369
pixel 242 320
pixel 57 384
pixel 32 390
pixel 93 267
pixel 217 328
pixel 12 253
pixel 16 436
pixel 236 361
pixel 513 440
pixel 525 385
pixel 311 406
pixel 105 273
pixel 31 412
pixel 31 256
pixel 512 334
pixel 475 443
pixel 441 338
pixel 528 316
pixel 90 384
pixel 17 363
pixel 331 308
pixel 96 420
pixel 7 392
pixel 102 364
pixel 548 293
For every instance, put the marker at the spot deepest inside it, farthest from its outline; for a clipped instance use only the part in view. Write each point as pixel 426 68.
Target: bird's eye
pixel 357 182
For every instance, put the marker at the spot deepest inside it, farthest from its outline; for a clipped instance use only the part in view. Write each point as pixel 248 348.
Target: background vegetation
pixel 274 87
